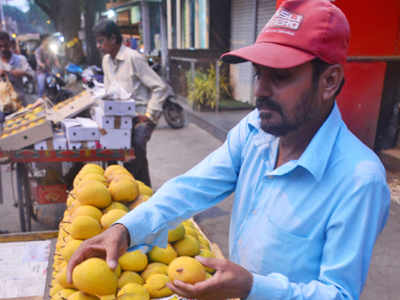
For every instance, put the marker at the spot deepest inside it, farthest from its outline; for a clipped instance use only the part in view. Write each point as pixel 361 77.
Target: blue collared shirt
pixel 305 230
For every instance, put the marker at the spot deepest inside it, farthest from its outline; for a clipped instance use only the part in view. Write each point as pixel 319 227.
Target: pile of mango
pixel 98 199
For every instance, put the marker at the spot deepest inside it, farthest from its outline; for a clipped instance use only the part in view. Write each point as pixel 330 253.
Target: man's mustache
pixel 268 103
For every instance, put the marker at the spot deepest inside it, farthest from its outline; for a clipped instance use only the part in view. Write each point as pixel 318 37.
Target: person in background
pixel 310 197
pixel 13 65
pixel 45 62
pixel 129 69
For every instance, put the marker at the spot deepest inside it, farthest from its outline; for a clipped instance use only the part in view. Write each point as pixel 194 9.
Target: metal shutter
pixel 266 8
pixel 242 26
pixel 242 35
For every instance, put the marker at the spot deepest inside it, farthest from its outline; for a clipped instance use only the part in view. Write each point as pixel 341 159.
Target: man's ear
pixel 330 81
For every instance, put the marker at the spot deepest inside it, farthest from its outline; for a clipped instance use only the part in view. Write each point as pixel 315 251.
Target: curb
pixel 196 118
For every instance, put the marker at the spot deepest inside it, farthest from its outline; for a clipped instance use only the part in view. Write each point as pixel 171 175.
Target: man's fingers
pixel 211 262
pixel 82 253
pixel 173 286
pixel 75 260
pixel 192 290
pixel 112 255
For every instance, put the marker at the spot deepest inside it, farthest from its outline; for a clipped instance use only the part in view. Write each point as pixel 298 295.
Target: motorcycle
pixel 172 111
pixel 54 88
pixel 92 76
pixel 28 84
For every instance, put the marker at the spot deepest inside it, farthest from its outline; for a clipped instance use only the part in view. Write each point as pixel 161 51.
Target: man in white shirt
pixel 130 70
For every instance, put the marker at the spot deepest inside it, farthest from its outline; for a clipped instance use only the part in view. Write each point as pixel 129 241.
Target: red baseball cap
pixel 298 32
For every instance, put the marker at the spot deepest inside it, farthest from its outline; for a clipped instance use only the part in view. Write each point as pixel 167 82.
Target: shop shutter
pixel 266 8
pixel 242 26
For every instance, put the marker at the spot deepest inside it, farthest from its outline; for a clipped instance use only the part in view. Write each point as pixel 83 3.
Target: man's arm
pixel 350 237
pixel 23 69
pixel 106 72
pixel 38 57
pixel 159 90
pixel 204 185
pixel 208 183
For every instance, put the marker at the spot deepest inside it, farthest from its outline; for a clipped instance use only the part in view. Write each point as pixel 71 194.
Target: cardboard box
pixel 110 122
pixel 82 145
pixel 39 131
pixel 118 108
pixel 81 129
pixel 72 107
pixel 57 142
pixel 97 114
pixel 116 139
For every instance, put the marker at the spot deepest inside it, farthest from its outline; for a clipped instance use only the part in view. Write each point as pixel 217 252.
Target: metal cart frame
pixel 21 159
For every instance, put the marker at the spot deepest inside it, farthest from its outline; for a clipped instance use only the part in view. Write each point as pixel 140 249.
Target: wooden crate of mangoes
pixel 138 276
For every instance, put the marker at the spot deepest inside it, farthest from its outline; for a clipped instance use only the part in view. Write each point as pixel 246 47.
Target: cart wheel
pixel 28 200
pixel 24 201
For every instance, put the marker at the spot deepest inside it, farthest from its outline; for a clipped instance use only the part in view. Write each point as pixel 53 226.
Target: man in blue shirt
pixel 310 198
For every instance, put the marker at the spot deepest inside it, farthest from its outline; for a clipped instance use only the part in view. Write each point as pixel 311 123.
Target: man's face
pixel 105 44
pixel 285 98
pixel 5 49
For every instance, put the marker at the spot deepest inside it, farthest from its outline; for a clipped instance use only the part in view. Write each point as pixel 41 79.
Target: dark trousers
pixel 139 167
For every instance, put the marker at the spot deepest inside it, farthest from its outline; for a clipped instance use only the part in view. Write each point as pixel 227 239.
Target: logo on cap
pixel 284 19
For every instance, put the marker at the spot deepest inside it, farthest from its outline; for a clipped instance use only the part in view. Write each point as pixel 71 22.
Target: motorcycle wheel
pixel 174 115
pixel 29 88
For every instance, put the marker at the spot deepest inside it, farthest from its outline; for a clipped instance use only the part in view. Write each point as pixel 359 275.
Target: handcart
pixel 21 161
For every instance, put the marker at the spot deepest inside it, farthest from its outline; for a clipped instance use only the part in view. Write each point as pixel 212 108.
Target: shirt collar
pixel 254 119
pixel 316 156
pixel 121 53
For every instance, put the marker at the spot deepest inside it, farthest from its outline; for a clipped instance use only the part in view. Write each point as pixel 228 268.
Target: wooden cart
pixel 21 161
pixel 52 237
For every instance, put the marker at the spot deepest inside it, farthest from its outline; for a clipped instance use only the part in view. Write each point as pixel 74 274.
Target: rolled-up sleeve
pixel 158 88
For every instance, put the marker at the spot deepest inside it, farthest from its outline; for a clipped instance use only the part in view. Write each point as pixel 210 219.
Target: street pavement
pixel 172 152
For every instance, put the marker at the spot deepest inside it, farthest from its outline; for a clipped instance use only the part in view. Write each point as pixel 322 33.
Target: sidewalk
pixel 216 123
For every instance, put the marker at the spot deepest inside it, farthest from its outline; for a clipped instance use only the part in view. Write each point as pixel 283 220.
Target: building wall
pixel 219 20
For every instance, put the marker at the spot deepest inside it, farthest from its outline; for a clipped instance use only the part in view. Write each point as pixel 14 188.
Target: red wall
pixel 374 25
pixel 375 31
pixel 360 99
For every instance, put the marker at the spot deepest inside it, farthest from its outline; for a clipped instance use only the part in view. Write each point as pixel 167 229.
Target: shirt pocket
pixel 266 248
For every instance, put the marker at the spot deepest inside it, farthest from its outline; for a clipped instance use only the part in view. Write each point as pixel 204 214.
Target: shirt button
pixel 269 176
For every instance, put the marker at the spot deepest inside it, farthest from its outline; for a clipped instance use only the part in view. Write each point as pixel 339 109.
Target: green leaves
pixel 202 90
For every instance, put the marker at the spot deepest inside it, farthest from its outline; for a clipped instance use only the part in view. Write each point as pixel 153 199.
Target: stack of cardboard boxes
pixel 115 120
pixel 53 128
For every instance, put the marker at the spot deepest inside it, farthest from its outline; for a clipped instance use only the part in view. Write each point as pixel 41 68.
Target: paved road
pixel 172 152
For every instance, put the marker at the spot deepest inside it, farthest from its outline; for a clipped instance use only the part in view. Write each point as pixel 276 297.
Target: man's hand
pixel 141 119
pixel 110 244
pixel 229 281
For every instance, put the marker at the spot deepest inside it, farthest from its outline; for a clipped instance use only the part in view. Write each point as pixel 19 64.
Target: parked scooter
pixel 54 88
pixel 172 111
pixel 73 72
pixel 92 76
